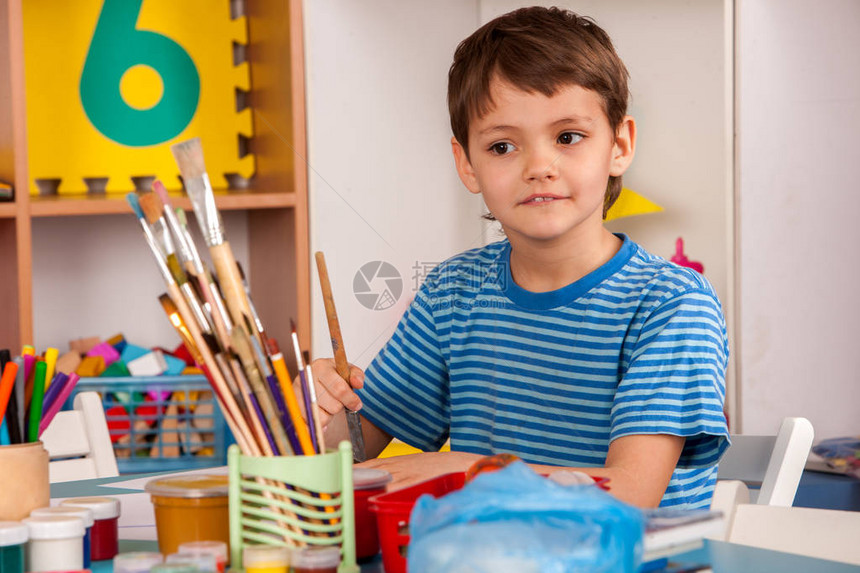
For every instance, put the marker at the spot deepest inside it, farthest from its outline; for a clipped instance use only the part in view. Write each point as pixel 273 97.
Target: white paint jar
pixel 56 543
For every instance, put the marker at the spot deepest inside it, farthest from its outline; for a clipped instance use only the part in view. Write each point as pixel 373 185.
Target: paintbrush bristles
pixel 189 158
pixel 152 207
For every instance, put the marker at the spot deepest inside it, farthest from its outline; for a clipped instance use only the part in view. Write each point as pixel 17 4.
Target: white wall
pixel 799 116
pixel 382 181
pixel 95 276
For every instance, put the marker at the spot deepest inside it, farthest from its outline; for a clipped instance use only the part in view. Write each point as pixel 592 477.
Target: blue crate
pixel 182 396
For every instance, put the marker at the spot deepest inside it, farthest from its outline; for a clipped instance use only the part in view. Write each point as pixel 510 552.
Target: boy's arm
pixel 375 439
pixel 638 467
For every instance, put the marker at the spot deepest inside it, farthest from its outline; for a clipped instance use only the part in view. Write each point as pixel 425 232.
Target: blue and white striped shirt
pixel 638 346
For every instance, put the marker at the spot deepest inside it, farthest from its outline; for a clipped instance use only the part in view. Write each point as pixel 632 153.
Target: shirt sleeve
pixel 675 380
pixel 406 385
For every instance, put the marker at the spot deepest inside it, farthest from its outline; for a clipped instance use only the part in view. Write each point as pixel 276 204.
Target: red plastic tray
pixel 392 514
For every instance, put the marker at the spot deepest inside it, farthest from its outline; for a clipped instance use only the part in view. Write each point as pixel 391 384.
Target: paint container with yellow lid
pixel 189 508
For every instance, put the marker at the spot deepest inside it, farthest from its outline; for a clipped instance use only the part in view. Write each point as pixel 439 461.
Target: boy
pixel 564 344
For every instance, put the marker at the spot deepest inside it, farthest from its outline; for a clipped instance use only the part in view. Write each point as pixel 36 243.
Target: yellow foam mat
pixel 111 85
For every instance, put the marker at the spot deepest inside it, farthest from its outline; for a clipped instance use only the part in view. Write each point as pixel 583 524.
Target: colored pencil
pixel 7 383
pixel 51 355
pixel 19 403
pixel 353 420
pixel 48 416
pixel 35 416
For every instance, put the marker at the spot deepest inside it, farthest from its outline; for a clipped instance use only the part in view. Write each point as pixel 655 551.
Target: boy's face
pixel 543 163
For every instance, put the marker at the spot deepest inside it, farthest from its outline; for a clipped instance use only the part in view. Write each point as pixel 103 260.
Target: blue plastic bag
pixel 515 520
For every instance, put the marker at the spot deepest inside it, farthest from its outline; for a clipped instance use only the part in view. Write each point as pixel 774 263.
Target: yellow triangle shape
pixel 631 203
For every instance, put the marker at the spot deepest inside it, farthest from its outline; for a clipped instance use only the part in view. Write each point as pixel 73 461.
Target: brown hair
pixel 537 50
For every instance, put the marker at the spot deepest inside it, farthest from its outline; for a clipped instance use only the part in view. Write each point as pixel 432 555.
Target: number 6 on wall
pixel 118 47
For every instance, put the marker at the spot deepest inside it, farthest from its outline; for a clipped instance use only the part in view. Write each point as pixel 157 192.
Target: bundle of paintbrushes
pixel 216 319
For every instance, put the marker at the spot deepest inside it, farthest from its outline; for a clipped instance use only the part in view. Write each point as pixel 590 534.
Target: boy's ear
pixel 624 147
pixel 464 167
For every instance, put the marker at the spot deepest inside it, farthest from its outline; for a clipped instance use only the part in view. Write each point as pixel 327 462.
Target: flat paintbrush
pixel 189 158
pixel 356 435
pixel 150 204
pixel 194 265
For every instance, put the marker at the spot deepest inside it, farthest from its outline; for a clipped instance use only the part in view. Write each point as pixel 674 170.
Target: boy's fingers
pixel 356 376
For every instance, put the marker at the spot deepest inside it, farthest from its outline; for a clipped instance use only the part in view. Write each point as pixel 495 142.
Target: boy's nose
pixel 541 164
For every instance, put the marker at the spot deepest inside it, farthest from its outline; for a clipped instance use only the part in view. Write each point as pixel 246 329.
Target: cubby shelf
pixel 276 204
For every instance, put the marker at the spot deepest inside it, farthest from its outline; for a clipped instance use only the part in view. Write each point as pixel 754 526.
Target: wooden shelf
pixel 276 203
pixel 109 204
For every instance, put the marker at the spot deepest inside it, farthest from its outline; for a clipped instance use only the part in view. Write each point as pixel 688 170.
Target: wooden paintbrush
pixel 189 158
pixel 203 356
pixel 193 264
pixel 341 364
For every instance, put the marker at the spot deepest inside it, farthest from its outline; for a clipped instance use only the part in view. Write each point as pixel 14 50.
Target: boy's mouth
pixel 540 199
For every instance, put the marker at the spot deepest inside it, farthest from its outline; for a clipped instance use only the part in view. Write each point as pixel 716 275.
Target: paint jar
pixel 205 563
pixel 190 508
pixel 136 562
pixel 174 568
pixel 85 514
pixel 56 543
pixel 105 536
pixel 367 482
pixel 216 548
pixel 316 559
pixel 265 558
pixel 26 488
pixel 13 537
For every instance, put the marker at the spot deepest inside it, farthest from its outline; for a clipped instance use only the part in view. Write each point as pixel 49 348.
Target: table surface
pixel 721 556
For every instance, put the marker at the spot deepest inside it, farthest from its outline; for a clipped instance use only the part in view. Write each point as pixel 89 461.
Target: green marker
pixel 36 401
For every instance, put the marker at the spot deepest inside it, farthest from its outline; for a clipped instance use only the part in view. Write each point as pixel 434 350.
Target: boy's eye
pixel 501 148
pixel 568 138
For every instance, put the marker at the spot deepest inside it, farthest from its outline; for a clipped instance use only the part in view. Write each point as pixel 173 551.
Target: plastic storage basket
pixel 161 423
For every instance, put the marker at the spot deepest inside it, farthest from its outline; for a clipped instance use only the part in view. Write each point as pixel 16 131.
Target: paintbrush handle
pixel 340 361
pixel 215 374
pixel 292 404
pixel 231 285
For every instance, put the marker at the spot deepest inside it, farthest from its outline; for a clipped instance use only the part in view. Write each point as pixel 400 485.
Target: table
pixel 723 557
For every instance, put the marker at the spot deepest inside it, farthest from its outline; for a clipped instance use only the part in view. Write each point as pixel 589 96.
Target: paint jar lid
pixel 174 568
pixel 316 557
pixel 193 486
pixel 54 527
pixel 272 555
pixel 136 562
pixel 13 533
pixel 103 507
pixel 216 548
pixel 84 513
pixel 204 562
pixel 368 478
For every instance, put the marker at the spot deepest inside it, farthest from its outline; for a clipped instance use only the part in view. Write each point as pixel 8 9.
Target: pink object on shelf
pixel 680 258
pixel 106 351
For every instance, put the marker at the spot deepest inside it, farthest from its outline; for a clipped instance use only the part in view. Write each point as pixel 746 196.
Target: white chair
pixel 78 442
pixel 823 533
pixel 775 462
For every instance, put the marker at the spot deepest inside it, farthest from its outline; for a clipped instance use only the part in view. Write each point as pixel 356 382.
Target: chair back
pixel 823 533
pixel 78 442
pixel 292 501
pixel 775 462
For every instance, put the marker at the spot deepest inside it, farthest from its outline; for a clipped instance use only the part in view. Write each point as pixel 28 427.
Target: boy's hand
pixel 333 392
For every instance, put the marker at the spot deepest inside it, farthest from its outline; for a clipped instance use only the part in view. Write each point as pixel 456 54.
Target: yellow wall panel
pixel 111 84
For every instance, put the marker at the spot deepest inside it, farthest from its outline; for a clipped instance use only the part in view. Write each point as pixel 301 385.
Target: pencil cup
pixel 27 487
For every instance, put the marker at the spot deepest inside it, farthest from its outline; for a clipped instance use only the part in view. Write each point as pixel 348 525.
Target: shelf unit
pixel 276 201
